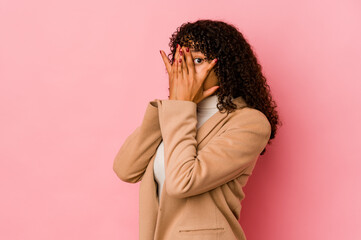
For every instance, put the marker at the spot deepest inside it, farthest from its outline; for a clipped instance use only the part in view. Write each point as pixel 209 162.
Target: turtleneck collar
pixel 208 102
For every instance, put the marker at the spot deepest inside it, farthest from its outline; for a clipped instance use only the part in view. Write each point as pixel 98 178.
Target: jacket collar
pixel 215 119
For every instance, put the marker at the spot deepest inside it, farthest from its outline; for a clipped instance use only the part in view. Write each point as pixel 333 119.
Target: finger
pixel 179 65
pixel 206 72
pixel 173 76
pixel 184 60
pixel 210 91
pixel 176 77
pixel 174 65
pixel 183 64
pixel 176 54
pixel 190 64
pixel 166 61
pixel 212 64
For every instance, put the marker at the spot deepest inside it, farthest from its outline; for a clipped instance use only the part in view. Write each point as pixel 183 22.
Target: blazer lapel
pixel 215 119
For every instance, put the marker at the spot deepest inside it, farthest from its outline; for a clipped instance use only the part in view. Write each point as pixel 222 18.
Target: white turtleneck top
pixel 205 109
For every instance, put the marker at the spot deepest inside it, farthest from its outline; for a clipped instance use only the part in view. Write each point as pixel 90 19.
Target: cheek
pixel 197 68
pixel 212 74
pixel 200 68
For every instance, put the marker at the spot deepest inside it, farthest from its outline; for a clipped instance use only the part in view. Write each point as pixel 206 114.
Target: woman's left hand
pixel 184 83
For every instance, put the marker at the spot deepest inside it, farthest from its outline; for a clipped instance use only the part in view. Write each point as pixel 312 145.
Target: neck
pixel 208 102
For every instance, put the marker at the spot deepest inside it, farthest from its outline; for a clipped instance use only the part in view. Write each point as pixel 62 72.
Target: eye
pixel 202 59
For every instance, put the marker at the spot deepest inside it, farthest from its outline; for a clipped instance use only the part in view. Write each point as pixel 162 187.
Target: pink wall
pixel 69 68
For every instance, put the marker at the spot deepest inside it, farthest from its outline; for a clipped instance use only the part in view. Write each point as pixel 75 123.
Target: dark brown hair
pixel 237 69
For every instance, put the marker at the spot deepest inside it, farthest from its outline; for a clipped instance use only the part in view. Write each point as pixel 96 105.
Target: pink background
pixel 76 77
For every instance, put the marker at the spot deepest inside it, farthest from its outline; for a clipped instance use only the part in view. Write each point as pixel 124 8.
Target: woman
pixel 193 158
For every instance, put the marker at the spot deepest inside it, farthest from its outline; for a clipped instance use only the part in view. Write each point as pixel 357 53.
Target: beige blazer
pixel 205 170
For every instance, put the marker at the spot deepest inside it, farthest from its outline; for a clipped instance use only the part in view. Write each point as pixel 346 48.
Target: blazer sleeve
pixel 225 157
pixel 138 148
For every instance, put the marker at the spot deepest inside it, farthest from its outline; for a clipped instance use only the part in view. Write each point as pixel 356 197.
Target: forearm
pixel 133 157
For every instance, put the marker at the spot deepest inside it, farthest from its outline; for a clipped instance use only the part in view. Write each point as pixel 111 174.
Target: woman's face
pixel 200 64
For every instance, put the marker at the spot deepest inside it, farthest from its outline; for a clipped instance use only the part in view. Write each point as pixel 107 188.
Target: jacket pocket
pixel 201 220
pixel 202 229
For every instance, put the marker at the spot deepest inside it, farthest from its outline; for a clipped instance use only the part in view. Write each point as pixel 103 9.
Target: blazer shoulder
pixel 248 116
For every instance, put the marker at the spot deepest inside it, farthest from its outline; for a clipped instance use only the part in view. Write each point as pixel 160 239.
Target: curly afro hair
pixel 238 70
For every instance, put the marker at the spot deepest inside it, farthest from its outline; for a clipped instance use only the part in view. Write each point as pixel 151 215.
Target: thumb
pixel 210 91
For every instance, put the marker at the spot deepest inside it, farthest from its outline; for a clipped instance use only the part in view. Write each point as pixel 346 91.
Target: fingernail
pixel 180 60
pixel 187 49
pixel 160 52
pixel 177 45
pixel 215 60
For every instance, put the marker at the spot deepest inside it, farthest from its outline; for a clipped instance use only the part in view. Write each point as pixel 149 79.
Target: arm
pixel 133 157
pixel 225 157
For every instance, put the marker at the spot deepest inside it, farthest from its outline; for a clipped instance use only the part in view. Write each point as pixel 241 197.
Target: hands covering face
pixel 184 83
